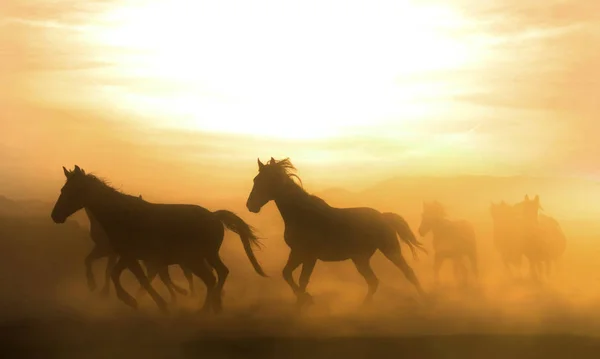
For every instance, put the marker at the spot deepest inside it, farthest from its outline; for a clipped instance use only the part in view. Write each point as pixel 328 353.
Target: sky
pixel 185 95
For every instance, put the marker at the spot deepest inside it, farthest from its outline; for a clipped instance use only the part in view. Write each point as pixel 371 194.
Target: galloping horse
pixel 543 239
pixel 162 234
pixel 102 249
pixel 451 240
pixel 316 231
pixel 507 236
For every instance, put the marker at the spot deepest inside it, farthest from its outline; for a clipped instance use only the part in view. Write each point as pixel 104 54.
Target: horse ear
pixel 67 172
pixel 527 197
pixel 537 198
pixel 260 164
pixel 77 169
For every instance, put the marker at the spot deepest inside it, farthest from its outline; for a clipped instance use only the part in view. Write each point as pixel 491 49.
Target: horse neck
pixel 438 225
pixel 103 205
pixel 294 202
pixel 91 217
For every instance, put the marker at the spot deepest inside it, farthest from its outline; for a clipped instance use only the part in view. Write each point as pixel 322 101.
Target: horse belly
pixel 333 256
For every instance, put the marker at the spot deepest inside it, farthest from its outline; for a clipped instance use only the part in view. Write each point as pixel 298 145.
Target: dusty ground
pixel 47 311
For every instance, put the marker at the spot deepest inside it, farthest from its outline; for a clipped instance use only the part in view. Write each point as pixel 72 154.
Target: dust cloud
pixel 46 304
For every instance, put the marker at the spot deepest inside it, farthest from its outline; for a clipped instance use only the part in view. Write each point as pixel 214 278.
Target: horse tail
pixel 406 234
pixel 246 233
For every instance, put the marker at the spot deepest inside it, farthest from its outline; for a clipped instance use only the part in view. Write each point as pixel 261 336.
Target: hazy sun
pixel 298 69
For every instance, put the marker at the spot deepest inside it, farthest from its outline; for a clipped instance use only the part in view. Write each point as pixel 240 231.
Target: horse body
pixel 316 231
pixel 161 234
pixel 554 236
pixel 102 248
pixel 452 239
pixel 526 232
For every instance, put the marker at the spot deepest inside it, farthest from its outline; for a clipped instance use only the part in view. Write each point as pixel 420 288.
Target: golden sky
pixel 352 91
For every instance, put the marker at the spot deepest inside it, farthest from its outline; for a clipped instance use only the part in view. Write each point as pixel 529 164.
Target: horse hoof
pixel 304 300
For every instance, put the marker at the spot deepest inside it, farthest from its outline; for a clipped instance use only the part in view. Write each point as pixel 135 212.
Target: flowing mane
pixel 287 168
pixel 103 184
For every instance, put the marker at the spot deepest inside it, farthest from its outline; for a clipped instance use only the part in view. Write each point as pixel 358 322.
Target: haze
pixel 377 103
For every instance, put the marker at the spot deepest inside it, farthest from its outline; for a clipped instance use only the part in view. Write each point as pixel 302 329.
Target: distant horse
pixel 507 238
pixel 315 230
pixel 452 239
pixel 162 234
pixel 543 240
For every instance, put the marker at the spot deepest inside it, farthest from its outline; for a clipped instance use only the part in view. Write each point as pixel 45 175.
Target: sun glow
pixel 264 67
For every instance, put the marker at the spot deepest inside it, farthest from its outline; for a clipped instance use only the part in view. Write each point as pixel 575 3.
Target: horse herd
pixel 127 229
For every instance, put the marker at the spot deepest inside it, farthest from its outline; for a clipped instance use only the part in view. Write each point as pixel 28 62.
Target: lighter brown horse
pixel 452 239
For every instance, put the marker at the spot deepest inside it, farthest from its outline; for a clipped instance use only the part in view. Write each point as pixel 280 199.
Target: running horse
pixel 316 231
pixel 452 239
pixel 102 249
pixel 161 234
pixel 543 240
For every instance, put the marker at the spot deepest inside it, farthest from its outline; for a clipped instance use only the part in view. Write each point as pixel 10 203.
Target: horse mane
pixel 286 167
pixel 105 184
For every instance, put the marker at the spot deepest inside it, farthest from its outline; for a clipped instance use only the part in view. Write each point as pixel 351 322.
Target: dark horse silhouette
pixel 162 234
pixel 316 231
pixel 103 249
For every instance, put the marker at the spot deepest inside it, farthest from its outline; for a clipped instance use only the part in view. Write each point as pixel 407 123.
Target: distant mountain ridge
pixel 575 197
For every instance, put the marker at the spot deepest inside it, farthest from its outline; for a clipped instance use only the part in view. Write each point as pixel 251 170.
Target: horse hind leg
pixel 138 272
pixel 110 263
pixel 165 277
pixel 395 256
pixel 363 266
pixel 122 294
pixel 202 271
pixel 222 274
pixel 151 272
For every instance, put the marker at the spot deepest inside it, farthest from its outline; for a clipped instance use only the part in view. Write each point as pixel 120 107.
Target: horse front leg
pixel 135 268
pixel 293 262
pixel 95 254
pixel 304 298
pixel 110 263
pixel 122 294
